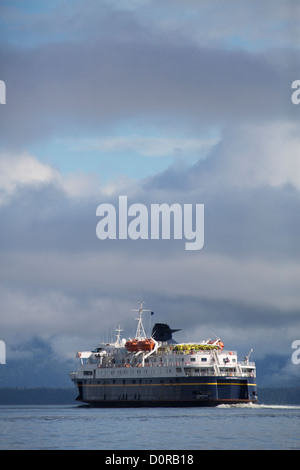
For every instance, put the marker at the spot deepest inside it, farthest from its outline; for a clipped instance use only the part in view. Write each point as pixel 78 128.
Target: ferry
pixel 156 371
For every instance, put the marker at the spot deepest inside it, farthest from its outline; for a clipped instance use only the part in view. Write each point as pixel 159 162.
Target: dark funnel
pixel 162 332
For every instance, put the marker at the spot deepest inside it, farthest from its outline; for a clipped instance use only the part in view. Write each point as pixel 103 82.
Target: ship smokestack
pixel 162 332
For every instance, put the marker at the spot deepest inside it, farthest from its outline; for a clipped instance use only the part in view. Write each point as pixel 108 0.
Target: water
pixel 68 427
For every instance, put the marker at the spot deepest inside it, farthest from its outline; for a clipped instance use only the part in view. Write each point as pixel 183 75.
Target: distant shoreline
pixel 64 396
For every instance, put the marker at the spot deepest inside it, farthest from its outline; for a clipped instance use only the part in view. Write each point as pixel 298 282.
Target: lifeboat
pixel 146 344
pixel 132 345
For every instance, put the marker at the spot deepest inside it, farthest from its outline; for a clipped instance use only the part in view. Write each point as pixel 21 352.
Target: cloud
pixel 251 25
pixel 211 276
pixel 247 156
pixel 145 146
pixel 22 170
pixel 180 85
pixel 255 156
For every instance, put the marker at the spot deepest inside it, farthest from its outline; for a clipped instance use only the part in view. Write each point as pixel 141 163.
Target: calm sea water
pixel 82 428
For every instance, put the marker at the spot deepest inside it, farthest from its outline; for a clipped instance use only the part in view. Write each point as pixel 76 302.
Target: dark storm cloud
pixel 239 221
pixel 67 87
pixel 45 219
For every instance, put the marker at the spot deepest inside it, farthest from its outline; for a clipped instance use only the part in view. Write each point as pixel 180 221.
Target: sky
pixel 183 102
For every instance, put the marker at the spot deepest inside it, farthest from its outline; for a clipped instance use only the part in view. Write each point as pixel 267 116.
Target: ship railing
pixel 219 371
pixel 169 364
pixel 197 372
pixel 201 351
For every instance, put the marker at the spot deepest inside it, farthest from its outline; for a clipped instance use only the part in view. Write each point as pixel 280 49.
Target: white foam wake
pixel 261 406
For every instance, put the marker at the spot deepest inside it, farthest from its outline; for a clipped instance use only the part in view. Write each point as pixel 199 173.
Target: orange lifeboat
pixel 132 345
pixel 146 344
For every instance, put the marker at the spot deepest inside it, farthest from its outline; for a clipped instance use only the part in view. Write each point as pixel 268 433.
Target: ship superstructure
pixel 157 371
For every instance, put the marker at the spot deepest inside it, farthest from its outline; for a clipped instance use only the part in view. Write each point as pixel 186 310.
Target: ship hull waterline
pixel 185 392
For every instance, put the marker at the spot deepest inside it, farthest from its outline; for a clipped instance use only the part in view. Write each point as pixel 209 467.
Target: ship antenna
pixel 118 335
pixel 140 332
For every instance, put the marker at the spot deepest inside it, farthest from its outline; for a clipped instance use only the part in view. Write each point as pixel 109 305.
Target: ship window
pixel 193 359
pixel 203 359
pixel 178 369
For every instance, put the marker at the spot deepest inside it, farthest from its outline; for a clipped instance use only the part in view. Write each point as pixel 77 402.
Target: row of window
pixel 128 382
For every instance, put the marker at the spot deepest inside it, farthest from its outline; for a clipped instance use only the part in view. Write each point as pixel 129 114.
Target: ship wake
pixel 256 406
